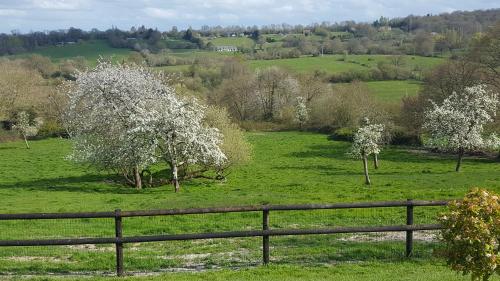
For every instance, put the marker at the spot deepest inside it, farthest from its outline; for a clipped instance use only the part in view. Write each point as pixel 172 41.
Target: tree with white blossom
pixel 457 124
pixel 124 118
pixel 101 118
pixel 301 111
pixel 182 137
pixel 26 127
pixel 366 142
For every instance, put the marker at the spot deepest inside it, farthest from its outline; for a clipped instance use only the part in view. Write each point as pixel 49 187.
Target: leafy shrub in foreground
pixel 471 234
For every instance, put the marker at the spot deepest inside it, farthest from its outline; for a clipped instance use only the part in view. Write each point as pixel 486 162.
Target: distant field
pixel 200 54
pixel 329 64
pixel 243 42
pixel 90 50
pixel 172 68
pixel 393 91
pixel 335 64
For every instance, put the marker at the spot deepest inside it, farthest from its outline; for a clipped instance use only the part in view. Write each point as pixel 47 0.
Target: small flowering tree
pixel 457 124
pixel 366 142
pixel 471 233
pixel 301 111
pixel 182 137
pixel 26 127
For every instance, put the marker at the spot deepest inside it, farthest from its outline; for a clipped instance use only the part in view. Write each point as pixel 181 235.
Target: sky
pixel 41 15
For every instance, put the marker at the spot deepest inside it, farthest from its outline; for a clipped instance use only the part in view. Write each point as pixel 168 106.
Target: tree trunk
pixel 137 177
pixel 175 178
pixel 375 160
pixel 460 157
pixel 365 166
pixel 26 142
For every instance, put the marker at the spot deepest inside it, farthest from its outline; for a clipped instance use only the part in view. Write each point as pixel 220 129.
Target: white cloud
pixel 228 17
pixel 172 14
pixel 12 12
pixel 59 4
pixel 29 15
pixel 160 13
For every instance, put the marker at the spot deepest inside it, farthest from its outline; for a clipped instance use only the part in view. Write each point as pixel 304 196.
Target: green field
pixel 405 271
pixel 393 91
pixel 337 64
pixel 287 167
pixel 242 42
pixel 90 50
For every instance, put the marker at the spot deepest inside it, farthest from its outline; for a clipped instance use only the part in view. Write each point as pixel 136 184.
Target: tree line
pixel 417 34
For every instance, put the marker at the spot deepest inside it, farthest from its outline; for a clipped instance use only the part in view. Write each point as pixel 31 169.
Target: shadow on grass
pixel 85 183
pixel 339 150
pixel 10 147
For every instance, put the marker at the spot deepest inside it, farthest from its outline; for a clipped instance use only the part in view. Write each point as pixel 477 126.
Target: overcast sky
pixel 39 15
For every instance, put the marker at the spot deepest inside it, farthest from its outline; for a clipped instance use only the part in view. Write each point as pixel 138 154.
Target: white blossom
pixel 27 128
pixel 457 125
pixel 123 118
pixel 301 111
pixel 366 141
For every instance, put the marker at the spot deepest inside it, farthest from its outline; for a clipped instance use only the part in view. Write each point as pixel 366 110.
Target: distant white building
pixel 226 49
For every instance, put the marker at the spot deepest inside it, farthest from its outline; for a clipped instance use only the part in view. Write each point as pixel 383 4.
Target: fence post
pixel 409 233
pixel 265 238
pixel 119 246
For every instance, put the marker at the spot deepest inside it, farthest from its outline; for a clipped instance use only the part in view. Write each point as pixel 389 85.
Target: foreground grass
pixel 287 167
pixel 404 271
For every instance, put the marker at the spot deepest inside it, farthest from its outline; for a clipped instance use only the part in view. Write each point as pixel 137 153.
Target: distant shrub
pixel 51 128
pixel 399 136
pixel 8 135
pixel 343 134
pixel 472 234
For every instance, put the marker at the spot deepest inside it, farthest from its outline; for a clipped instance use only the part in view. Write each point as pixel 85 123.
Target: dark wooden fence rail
pixel 265 233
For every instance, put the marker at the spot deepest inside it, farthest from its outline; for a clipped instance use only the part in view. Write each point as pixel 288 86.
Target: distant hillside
pixel 90 50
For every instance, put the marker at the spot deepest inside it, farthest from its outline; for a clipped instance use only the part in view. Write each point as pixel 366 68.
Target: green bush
pixel 51 128
pixel 343 134
pixel 471 234
pixel 399 136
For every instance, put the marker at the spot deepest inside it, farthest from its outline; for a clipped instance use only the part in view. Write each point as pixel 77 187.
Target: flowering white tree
pixel 25 127
pixel 123 118
pixel 301 111
pixel 366 142
pixel 457 124
pixel 182 137
pixel 101 118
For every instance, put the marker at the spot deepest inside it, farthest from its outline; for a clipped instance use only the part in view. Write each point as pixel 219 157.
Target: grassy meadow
pixel 337 63
pixel 393 91
pixel 241 42
pixel 287 167
pixel 90 50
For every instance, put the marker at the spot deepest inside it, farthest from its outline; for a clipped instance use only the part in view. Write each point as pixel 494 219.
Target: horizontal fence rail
pixel 265 233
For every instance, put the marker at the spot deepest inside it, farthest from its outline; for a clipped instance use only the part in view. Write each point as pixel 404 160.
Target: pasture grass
pixel 287 167
pixel 393 91
pixel 242 42
pixel 403 271
pixel 337 63
pixel 90 50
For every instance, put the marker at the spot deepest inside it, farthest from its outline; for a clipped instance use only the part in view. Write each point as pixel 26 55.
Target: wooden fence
pixel 119 239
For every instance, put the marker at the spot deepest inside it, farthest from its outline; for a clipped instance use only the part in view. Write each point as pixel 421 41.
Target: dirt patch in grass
pixel 427 236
